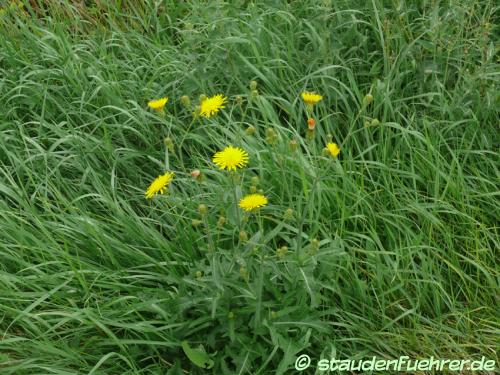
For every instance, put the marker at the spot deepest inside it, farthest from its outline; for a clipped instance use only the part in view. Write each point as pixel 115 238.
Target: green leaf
pixel 197 356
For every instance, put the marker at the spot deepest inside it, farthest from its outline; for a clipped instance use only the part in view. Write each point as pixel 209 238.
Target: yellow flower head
pixel 231 158
pixel 159 185
pixel 252 202
pixel 158 104
pixel 333 149
pixel 210 106
pixel 311 98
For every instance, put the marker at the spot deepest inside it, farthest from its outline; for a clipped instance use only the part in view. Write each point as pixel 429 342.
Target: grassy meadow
pixel 390 248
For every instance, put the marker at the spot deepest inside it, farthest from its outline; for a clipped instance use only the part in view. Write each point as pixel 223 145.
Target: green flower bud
pixel 221 221
pixel 281 252
pixel 288 215
pixel 202 209
pixel 196 223
pixel 243 236
pixel 367 99
pixel 250 130
pixel 186 102
pixel 169 143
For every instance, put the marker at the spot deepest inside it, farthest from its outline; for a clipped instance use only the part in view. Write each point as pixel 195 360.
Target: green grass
pixel 96 279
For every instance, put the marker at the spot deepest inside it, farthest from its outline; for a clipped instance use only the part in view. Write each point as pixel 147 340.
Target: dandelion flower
pixel 311 98
pixel 252 202
pixel 333 149
pixel 159 185
pixel 211 106
pixel 231 158
pixel 158 104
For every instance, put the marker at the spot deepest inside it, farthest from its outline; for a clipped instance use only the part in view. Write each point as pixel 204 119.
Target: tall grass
pixel 392 247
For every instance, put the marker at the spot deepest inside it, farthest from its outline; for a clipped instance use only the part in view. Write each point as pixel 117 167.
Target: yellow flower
pixel 311 98
pixel 231 158
pixel 253 201
pixel 158 104
pixel 159 185
pixel 333 149
pixel 210 106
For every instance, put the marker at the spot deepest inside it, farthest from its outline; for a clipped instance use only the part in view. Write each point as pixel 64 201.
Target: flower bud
pixel 367 99
pixel 202 209
pixel 254 94
pixel 239 100
pixel 292 145
pixel 253 189
pixel 288 215
pixel 195 173
pixel 199 274
pixel 230 315
pixel 243 236
pixel 253 85
pixel 375 122
pixel 255 180
pixel 221 221
pixel 311 123
pixel 250 130
pixel 186 102
pixel 313 249
pixel 281 252
pixel 169 143
pixel 244 273
pixel 196 223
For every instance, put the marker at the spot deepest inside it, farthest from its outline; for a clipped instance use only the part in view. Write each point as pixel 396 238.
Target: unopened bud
pixel 195 173
pixel 254 94
pixel 244 273
pixel 239 100
pixel 186 102
pixel 196 223
pixel 281 252
pixel 311 123
pixel 250 130
pixel 288 215
pixel 292 145
pixel 255 180
pixel 315 243
pixel 202 209
pixel 253 85
pixel 367 99
pixel 230 315
pixel 243 236
pixel 169 143
pixel 253 189
pixel 221 221
pixel 375 122
pixel 199 274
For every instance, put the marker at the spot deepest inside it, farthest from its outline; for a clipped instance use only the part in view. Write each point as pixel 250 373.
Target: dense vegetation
pixel 389 249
